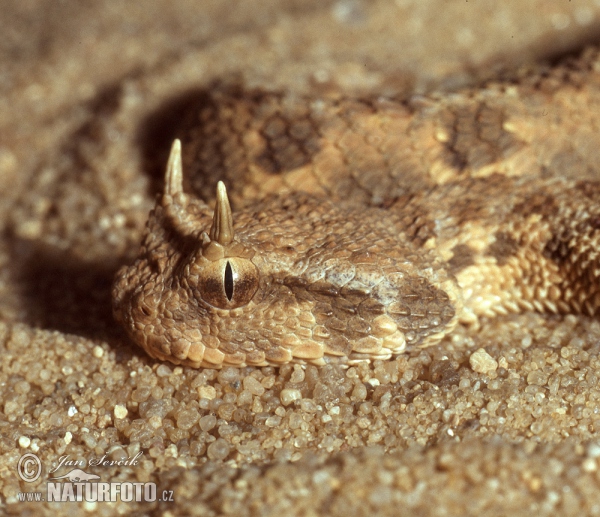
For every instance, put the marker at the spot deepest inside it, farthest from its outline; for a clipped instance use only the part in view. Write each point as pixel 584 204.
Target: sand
pixel 499 421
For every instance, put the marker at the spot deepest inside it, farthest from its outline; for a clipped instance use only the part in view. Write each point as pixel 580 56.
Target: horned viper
pixel 348 244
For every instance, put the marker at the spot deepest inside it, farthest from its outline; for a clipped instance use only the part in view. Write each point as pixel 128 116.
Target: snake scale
pixel 349 240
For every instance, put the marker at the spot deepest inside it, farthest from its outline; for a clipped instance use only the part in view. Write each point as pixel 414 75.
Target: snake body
pixel 345 245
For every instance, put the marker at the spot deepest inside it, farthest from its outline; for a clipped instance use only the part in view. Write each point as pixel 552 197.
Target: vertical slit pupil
pixel 228 281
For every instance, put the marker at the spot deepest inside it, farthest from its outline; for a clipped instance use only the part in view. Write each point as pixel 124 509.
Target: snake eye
pixel 227 283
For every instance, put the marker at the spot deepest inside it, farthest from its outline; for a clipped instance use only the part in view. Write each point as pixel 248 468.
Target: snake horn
pixel 174 175
pixel 222 225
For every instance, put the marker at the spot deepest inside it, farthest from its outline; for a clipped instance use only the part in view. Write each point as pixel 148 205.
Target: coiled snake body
pixel 343 262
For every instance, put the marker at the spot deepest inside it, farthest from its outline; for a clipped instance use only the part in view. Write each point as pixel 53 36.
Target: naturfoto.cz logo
pixel 78 485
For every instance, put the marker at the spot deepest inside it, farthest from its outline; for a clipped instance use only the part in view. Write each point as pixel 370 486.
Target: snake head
pixel 293 279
